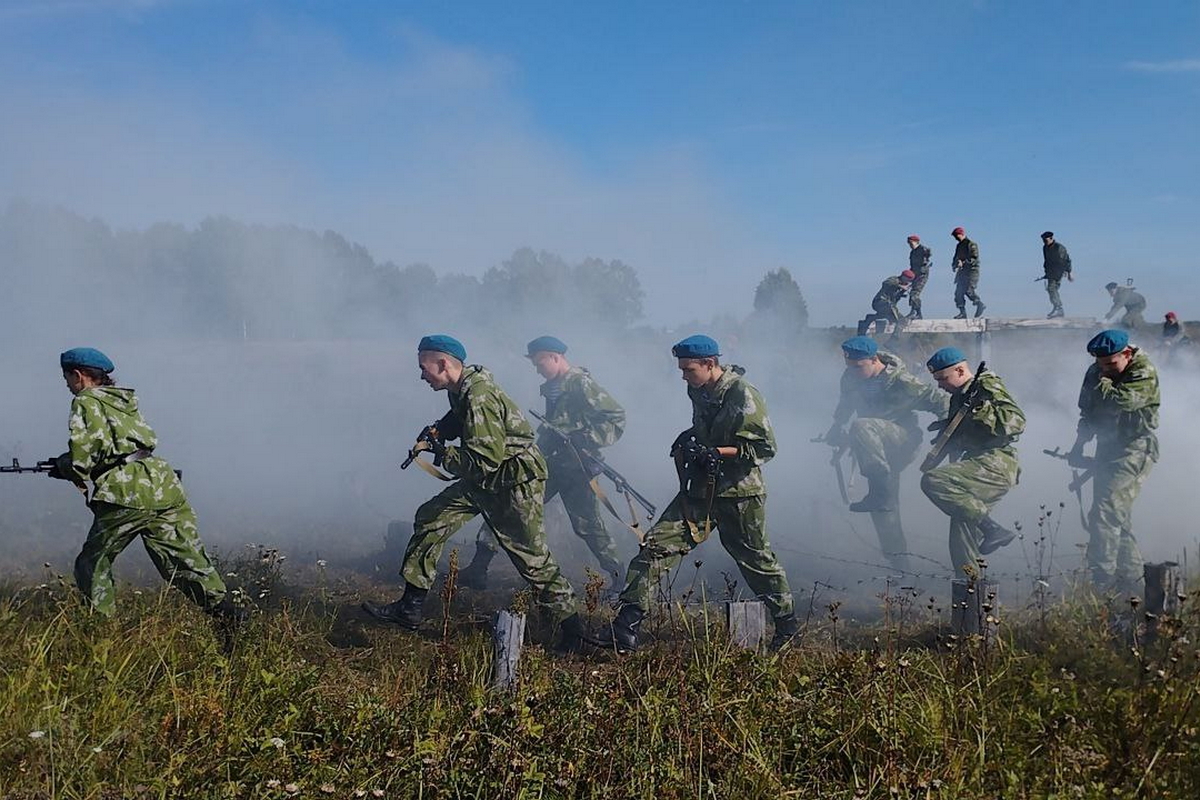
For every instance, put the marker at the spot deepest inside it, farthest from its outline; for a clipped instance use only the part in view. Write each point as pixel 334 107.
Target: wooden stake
pixel 747 622
pixel 507 639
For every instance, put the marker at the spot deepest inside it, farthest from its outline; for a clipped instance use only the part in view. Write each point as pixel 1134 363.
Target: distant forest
pixel 230 280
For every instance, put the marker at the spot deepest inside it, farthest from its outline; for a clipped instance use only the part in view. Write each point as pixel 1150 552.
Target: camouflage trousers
pixel 742 525
pixel 170 538
pixel 1132 319
pixel 914 293
pixel 1112 551
pixel 1052 287
pixel 515 516
pixel 966 491
pixel 583 509
pixel 883 449
pixel 966 281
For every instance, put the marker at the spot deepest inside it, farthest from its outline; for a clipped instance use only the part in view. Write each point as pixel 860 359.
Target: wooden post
pixel 747 622
pixel 972 603
pixel 1163 587
pixel 507 638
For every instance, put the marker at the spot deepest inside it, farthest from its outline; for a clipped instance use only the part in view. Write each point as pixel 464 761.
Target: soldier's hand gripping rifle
pixel 433 438
pixel 1083 469
pixel 839 449
pixel 971 396
pixel 593 464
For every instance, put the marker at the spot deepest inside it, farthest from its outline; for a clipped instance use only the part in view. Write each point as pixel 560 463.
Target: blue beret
pixel 440 343
pixel 85 357
pixel 698 346
pixel 946 357
pixel 546 344
pixel 860 348
pixel 1108 343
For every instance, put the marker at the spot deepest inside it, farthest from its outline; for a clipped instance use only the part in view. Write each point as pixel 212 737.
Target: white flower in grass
pixel 276 742
pixel 37 734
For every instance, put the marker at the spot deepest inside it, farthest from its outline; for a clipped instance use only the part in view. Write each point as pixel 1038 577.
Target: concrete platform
pixel 991 324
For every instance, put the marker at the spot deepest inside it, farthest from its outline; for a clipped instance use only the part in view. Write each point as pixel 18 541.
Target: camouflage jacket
pixel 919 259
pixel 1056 261
pixel 496 449
pixel 1127 298
pixel 1120 411
pixel 890 292
pixel 993 424
pixel 733 414
pixel 106 426
pixel 966 252
pixel 581 409
pixel 896 397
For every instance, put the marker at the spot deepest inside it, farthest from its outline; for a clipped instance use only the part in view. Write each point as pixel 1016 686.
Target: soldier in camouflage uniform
pixel 886 303
pixel 1056 264
pixel 1118 406
pixel 885 436
pixel 966 274
pixel 983 461
pixel 501 475
pixel 578 406
pixel 135 493
pixel 920 259
pixel 719 459
pixel 1129 302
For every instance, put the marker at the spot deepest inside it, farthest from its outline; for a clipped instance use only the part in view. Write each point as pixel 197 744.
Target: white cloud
pixel 1179 65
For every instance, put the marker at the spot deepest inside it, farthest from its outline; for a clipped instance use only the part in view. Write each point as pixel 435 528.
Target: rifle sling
pixel 636 527
pixel 432 470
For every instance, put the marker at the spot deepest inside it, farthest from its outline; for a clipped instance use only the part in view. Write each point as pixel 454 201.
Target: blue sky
pixel 703 143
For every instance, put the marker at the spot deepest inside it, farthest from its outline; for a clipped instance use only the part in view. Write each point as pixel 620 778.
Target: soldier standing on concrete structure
pixel 1118 407
pixel 1056 263
pixel 920 259
pixel 966 274
pixel 886 303
pixel 1129 302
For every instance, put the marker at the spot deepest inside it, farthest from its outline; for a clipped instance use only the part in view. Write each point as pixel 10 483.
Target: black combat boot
pixel 962 313
pixel 405 612
pixel 622 635
pixel 879 495
pixel 994 536
pixel 1058 312
pixel 786 629
pixel 228 618
pixel 572 636
pixel 979 309
pixel 474 575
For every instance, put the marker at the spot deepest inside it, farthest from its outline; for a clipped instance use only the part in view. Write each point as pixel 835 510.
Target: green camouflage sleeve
pixel 91 439
pixel 604 416
pixel 483 439
pixel 923 396
pixel 755 436
pixel 1137 389
pixel 998 411
pixel 973 257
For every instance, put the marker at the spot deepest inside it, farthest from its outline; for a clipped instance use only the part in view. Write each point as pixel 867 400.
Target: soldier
pixel 920 258
pixel 135 493
pixel 1056 262
pixel 719 460
pixel 885 436
pixel 501 475
pixel 1129 300
pixel 983 459
pixel 966 274
pixel 1118 406
pixel 886 303
pixel 578 406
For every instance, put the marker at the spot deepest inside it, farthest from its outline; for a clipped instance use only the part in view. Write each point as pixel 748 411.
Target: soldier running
pixel 884 438
pixel 983 461
pixel 920 259
pixel 1130 302
pixel 1118 407
pixel 134 492
pixel 966 274
pixel 578 406
pixel 719 460
pixel 500 474
pixel 886 303
pixel 1056 263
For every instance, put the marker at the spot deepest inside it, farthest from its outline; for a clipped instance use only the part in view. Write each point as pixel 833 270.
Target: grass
pixel 310 703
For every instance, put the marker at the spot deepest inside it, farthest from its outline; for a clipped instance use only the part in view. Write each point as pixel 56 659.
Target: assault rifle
pixel 1078 478
pixel 42 466
pixel 593 464
pixel 970 395
pixel 435 435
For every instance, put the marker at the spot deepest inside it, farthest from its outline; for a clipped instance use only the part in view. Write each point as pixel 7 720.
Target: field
pixel 1068 700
